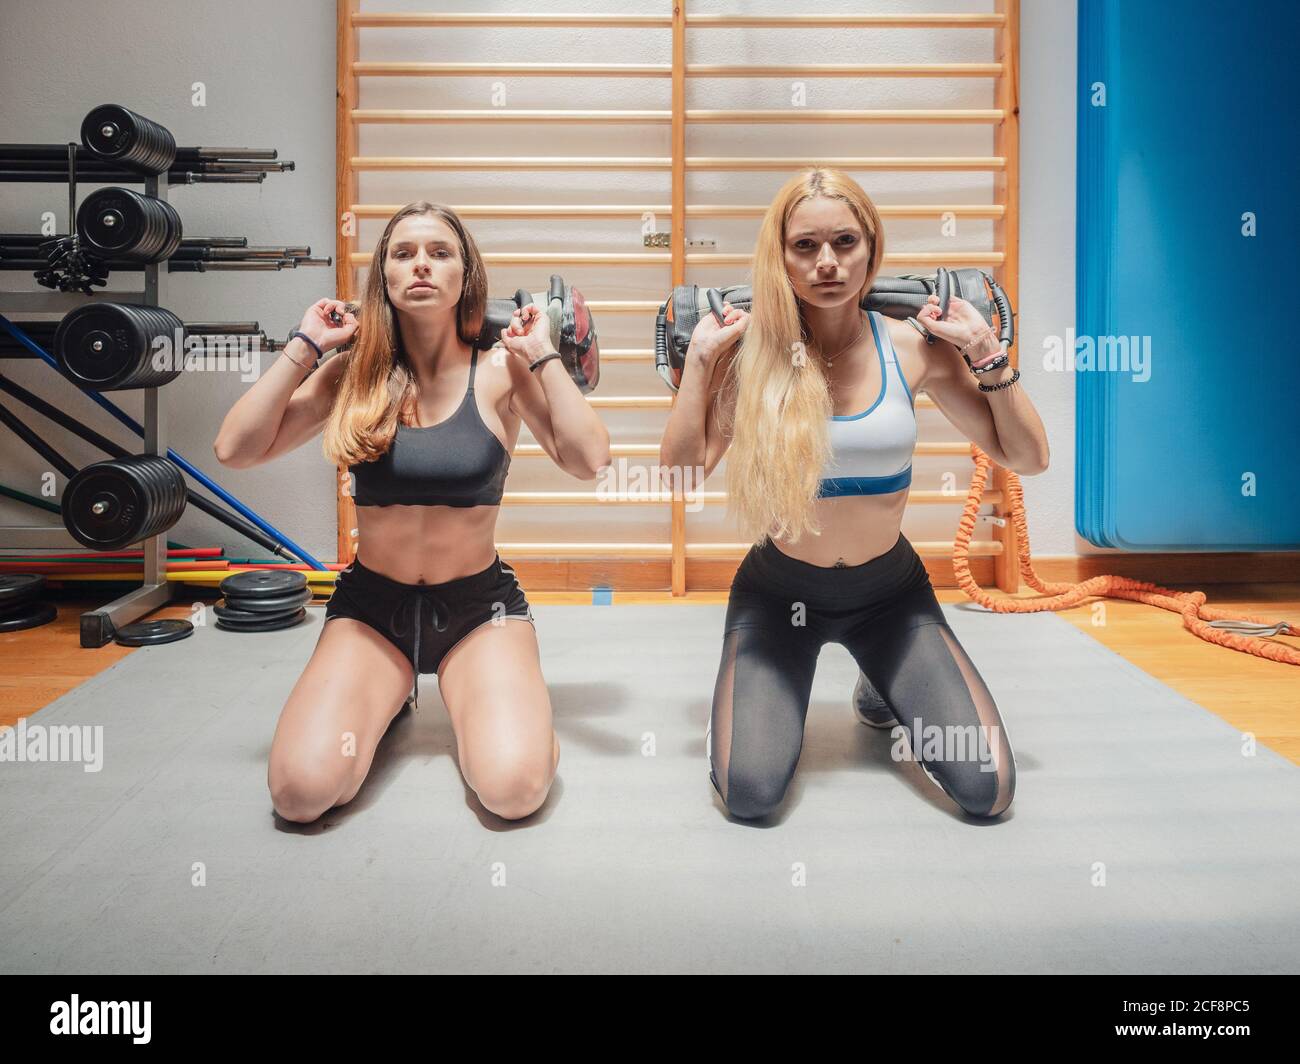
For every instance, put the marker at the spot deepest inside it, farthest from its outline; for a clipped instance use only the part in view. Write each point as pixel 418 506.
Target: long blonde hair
pixel 779 436
pixel 378 387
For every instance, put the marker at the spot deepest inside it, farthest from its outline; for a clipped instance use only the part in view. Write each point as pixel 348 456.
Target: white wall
pixel 268 70
pixel 269 76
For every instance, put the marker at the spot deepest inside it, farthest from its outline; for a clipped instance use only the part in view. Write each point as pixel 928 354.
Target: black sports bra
pixel 457 462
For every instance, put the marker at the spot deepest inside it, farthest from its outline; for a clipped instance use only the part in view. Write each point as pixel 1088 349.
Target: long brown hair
pixel 379 386
pixel 779 436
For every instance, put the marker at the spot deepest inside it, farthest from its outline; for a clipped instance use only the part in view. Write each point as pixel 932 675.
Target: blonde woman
pixel 426 427
pixel 815 411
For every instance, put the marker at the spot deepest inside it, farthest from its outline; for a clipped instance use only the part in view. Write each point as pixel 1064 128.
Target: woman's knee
pixel 514 787
pixel 977 791
pixel 303 788
pixel 753 792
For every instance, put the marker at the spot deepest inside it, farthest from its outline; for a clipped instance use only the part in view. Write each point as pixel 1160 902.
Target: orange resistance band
pixel 1062 596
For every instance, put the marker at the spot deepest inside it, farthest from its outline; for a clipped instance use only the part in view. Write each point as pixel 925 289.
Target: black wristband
pixel 544 358
pixel 309 341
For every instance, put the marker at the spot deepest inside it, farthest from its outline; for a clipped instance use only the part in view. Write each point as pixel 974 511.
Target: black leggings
pixel 884 612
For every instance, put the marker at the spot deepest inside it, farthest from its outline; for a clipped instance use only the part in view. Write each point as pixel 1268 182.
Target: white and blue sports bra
pixel 871 452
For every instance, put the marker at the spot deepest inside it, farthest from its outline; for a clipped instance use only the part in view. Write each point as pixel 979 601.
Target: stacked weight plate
pixel 263 600
pixel 114 346
pixel 20 605
pixel 113 132
pixel 120 501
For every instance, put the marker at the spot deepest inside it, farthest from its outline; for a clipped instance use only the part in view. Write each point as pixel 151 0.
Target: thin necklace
pixel 831 361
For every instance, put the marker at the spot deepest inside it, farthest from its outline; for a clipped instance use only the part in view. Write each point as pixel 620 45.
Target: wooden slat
pixel 703 258
pixel 696 210
pixel 826 21
pixel 627 354
pixel 392 69
pixel 630 402
pixel 792 115
pixel 497 115
pixel 887 116
pixel 726 163
pixel 502 19
pixel 848 70
pixel 624 306
pixel 550 20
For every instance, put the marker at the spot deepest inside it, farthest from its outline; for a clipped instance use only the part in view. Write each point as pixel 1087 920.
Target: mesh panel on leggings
pixel 952 723
pixel 720 720
pixel 997 745
pixel 760 705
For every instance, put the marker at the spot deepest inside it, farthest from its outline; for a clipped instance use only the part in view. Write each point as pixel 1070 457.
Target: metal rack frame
pixel 98 625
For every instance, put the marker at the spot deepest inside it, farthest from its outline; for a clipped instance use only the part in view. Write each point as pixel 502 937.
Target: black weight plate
pixel 31 615
pixel 150 633
pixel 108 131
pixel 180 497
pixel 116 484
pixel 161 322
pixel 112 329
pixel 172 234
pixel 18 588
pixel 139 372
pixel 15 609
pixel 142 468
pixel 270 625
pixel 167 483
pixel 113 132
pixel 113 221
pixel 151 489
pixel 278 604
pixel 154 469
pixel 226 612
pixel 262 583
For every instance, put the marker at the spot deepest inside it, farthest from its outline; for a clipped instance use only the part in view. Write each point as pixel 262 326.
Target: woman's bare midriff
pixel 856 529
pixel 426 544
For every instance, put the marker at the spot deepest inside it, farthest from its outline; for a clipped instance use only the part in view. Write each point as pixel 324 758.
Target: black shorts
pixel 427 621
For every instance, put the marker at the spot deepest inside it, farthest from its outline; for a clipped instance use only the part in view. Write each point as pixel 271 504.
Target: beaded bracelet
pixel 987 361
pixel 988 331
pixel 998 387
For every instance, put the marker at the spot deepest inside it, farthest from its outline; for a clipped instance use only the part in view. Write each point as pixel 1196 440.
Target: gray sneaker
pixel 869 707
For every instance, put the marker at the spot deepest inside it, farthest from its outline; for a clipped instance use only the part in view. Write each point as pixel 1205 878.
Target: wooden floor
pixel 1250 693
